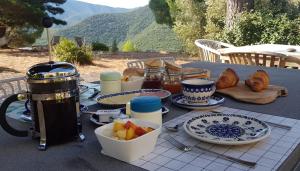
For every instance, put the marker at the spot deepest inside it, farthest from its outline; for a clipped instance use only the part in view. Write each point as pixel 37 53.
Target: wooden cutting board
pixel 243 93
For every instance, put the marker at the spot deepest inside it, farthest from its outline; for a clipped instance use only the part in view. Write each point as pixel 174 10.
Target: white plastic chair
pixel 208 49
pixel 11 86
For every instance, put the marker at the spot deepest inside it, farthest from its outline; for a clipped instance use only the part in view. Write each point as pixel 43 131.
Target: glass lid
pixel 51 70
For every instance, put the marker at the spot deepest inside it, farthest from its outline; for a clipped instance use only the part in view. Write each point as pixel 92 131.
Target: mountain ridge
pixel 137 25
pixel 73 15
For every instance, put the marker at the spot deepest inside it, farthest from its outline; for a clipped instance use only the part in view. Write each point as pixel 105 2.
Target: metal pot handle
pixel 3 121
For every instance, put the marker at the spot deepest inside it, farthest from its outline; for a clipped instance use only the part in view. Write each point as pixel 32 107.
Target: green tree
pixel 215 16
pixel 161 11
pixel 190 22
pixel 114 47
pixel 128 46
pixel 22 19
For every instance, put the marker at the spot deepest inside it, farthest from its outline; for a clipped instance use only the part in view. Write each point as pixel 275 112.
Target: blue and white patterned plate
pixel 213 102
pixel 227 129
pixel 119 100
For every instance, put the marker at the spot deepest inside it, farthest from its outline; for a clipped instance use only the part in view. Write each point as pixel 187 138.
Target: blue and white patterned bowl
pixel 198 90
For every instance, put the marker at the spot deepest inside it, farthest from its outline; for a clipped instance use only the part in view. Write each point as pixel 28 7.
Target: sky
pixel 119 3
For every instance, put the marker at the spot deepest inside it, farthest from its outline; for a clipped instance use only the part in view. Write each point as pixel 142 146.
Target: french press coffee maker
pixel 53 94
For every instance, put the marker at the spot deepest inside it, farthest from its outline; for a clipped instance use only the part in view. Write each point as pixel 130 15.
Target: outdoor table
pixel 276 48
pixel 22 154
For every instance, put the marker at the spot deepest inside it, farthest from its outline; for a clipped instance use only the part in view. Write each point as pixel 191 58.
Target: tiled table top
pixel 269 153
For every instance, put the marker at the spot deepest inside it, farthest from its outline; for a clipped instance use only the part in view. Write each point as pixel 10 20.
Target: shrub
pixel 68 51
pixel 96 46
pixel 128 46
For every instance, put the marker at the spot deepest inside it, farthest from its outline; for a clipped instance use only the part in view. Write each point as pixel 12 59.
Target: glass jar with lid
pixel 153 78
pixel 172 82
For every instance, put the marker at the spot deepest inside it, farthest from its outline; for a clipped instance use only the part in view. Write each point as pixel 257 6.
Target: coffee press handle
pixel 3 121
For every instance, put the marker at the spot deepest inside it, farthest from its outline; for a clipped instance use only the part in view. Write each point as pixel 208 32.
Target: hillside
pixel 138 25
pixel 77 11
pixel 157 37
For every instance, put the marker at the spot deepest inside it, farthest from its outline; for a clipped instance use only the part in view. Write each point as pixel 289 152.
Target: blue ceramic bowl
pixel 198 90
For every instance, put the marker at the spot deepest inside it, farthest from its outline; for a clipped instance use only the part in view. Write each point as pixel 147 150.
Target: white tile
pixel 185 157
pixel 201 162
pixel 240 166
pixel 233 169
pixel 209 156
pixel 264 117
pixel 175 165
pixel 160 160
pixel 293 134
pixel 167 144
pixel 276 119
pixel 284 143
pixel 272 155
pixel 191 142
pixel 276 136
pixel 219 149
pixel 279 131
pixel 150 166
pixel 262 146
pixel 138 162
pixel 172 153
pixel 160 149
pixel 270 141
pixel 149 156
pixel 181 138
pixel 250 157
pixel 261 168
pixel 233 153
pixel 164 169
pixel 223 161
pixel 216 166
pixel 295 130
pixel 191 168
pixel 267 162
pixel 289 121
pixel 289 139
pixel 257 152
pixel 241 148
pixel 279 149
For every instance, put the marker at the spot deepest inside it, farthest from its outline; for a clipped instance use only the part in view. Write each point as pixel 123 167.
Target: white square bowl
pixel 128 150
pixel 132 84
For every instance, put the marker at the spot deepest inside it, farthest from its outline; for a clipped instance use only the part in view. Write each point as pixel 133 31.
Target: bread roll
pixel 228 78
pixel 258 81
